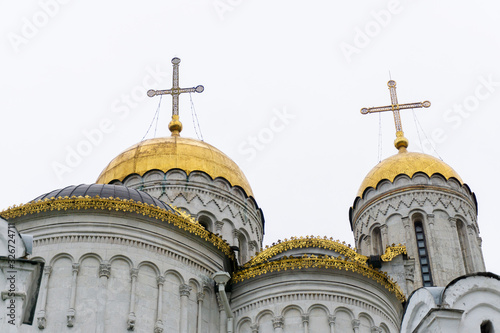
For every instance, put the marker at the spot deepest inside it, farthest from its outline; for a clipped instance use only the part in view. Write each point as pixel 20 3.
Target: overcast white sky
pixel 75 67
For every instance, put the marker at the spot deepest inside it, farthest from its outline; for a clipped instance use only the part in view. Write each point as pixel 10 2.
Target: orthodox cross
pixel 400 141
pixel 175 125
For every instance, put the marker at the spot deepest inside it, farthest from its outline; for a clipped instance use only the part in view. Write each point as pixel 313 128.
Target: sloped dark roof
pixel 105 191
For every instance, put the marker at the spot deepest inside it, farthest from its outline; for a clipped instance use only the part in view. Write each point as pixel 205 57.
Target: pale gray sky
pixel 71 68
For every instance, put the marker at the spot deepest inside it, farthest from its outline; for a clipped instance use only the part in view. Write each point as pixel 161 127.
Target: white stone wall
pixel 314 300
pixel 461 307
pixel 111 271
pixel 222 208
pixel 443 207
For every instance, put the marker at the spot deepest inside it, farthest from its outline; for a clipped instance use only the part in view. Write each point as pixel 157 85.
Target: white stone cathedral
pixel 169 239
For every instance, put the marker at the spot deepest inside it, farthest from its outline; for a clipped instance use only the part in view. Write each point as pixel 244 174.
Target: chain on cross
pixel 400 141
pixel 175 126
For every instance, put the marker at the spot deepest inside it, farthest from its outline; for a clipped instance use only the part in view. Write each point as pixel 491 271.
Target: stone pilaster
pixel 70 316
pixel 184 291
pixel 160 280
pixel 104 274
pixel 331 322
pixel 134 272
pixel 41 318
pixel 199 298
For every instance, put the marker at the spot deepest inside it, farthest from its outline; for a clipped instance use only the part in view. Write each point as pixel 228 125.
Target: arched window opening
pixel 378 248
pixel 205 223
pixel 487 327
pixel 464 246
pixel 423 255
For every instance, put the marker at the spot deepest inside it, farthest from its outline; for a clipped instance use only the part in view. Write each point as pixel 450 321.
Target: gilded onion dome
pixel 407 163
pixel 174 152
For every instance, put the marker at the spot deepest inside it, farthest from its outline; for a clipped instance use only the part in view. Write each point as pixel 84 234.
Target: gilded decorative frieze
pixel 327 262
pixel 182 221
pixel 306 242
pixel 393 251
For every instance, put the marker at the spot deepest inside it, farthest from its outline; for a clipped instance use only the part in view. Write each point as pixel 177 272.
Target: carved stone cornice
pixel 75 268
pixel 70 318
pixel 160 280
pixel 41 320
pixel 47 270
pixel 292 298
pixel 278 322
pixel 218 226
pixel 158 327
pixel 104 270
pixel 185 290
pixel 131 321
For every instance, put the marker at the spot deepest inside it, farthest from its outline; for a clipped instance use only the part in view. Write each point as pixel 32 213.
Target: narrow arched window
pixel 464 246
pixel 487 327
pixel 378 248
pixel 423 255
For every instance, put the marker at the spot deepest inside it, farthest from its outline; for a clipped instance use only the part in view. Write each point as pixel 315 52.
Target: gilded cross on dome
pixel 175 126
pixel 400 141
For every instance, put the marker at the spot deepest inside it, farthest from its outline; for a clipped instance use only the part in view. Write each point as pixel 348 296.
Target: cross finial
pixel 175 126
pixel 401 141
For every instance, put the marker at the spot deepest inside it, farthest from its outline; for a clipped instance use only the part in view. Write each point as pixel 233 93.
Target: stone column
pixel 236 240
pixel 70 316
pixel 254 328
pixel 384 231
pixel 472 250
pixel 331 322
pixel 134 272
pixel 160 280
pixel 305 323
pixel 199 297
pixel 41 318
pixel 355 325
pixel 184 291
pixel 104 274
pixel 278 324
pixel 222 315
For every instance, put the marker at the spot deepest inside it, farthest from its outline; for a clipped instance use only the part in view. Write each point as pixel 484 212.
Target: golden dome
pixel 174 153
pixel 407 163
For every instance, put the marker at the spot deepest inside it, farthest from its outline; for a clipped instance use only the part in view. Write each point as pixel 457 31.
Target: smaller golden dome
pixel 174 153
pixel 407 163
